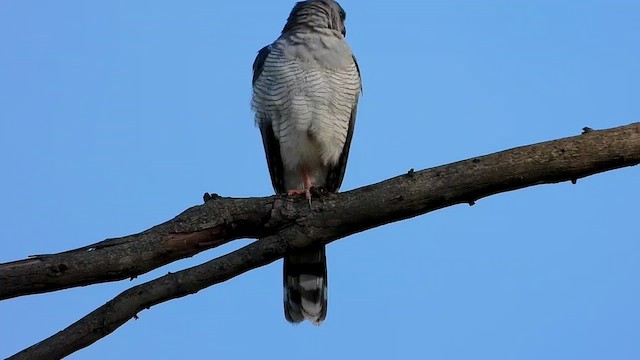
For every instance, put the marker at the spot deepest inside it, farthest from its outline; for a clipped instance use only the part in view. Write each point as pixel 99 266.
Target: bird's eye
pixel 343 15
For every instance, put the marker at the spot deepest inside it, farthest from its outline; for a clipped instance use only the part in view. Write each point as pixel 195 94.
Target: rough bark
pixel 195 230
pixel 282 223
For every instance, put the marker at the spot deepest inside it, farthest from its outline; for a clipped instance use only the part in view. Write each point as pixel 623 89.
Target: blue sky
pixel 117 115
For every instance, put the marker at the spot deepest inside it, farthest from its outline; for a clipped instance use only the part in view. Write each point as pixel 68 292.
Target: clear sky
pixel 117 115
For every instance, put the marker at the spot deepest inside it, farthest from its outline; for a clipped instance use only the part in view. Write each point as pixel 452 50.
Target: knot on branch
pixel 294 215
pixel 59 269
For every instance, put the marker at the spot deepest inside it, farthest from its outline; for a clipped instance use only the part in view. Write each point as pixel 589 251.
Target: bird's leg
pixel 307 186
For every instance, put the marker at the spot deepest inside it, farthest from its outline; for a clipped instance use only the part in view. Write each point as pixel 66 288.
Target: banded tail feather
pixel 305 285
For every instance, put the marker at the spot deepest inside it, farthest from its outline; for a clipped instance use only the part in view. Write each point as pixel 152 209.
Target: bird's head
pixel 317 14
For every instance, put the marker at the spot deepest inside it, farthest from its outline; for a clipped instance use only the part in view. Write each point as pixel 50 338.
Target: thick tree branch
pixel 195 230
pixel 283 223
pixel 224 219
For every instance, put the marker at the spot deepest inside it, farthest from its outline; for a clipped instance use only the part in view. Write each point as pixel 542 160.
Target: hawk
pixel 306 87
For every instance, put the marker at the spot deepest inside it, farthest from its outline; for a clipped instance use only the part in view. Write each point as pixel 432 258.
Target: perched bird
pixel 306 87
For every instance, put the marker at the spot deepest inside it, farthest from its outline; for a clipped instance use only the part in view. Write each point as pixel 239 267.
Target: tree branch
pixel 195 230
pixel 108 317
pixel 283 223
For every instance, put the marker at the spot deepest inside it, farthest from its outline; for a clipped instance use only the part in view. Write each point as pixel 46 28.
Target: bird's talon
pixel 318 191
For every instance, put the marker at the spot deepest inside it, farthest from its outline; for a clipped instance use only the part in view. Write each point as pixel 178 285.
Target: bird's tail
pixel 305 285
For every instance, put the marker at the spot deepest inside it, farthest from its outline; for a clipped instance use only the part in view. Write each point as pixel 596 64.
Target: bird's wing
pixel 336 172
pixel 271 144
pixel 258 63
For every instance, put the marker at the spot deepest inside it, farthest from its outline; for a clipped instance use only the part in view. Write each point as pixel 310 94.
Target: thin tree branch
pixel 284 223
pixel 108 317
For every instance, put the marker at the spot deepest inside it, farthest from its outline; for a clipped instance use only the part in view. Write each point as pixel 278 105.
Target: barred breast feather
pixel 307 96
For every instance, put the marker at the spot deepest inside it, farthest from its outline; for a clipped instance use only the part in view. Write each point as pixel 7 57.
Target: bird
pixel 306 87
